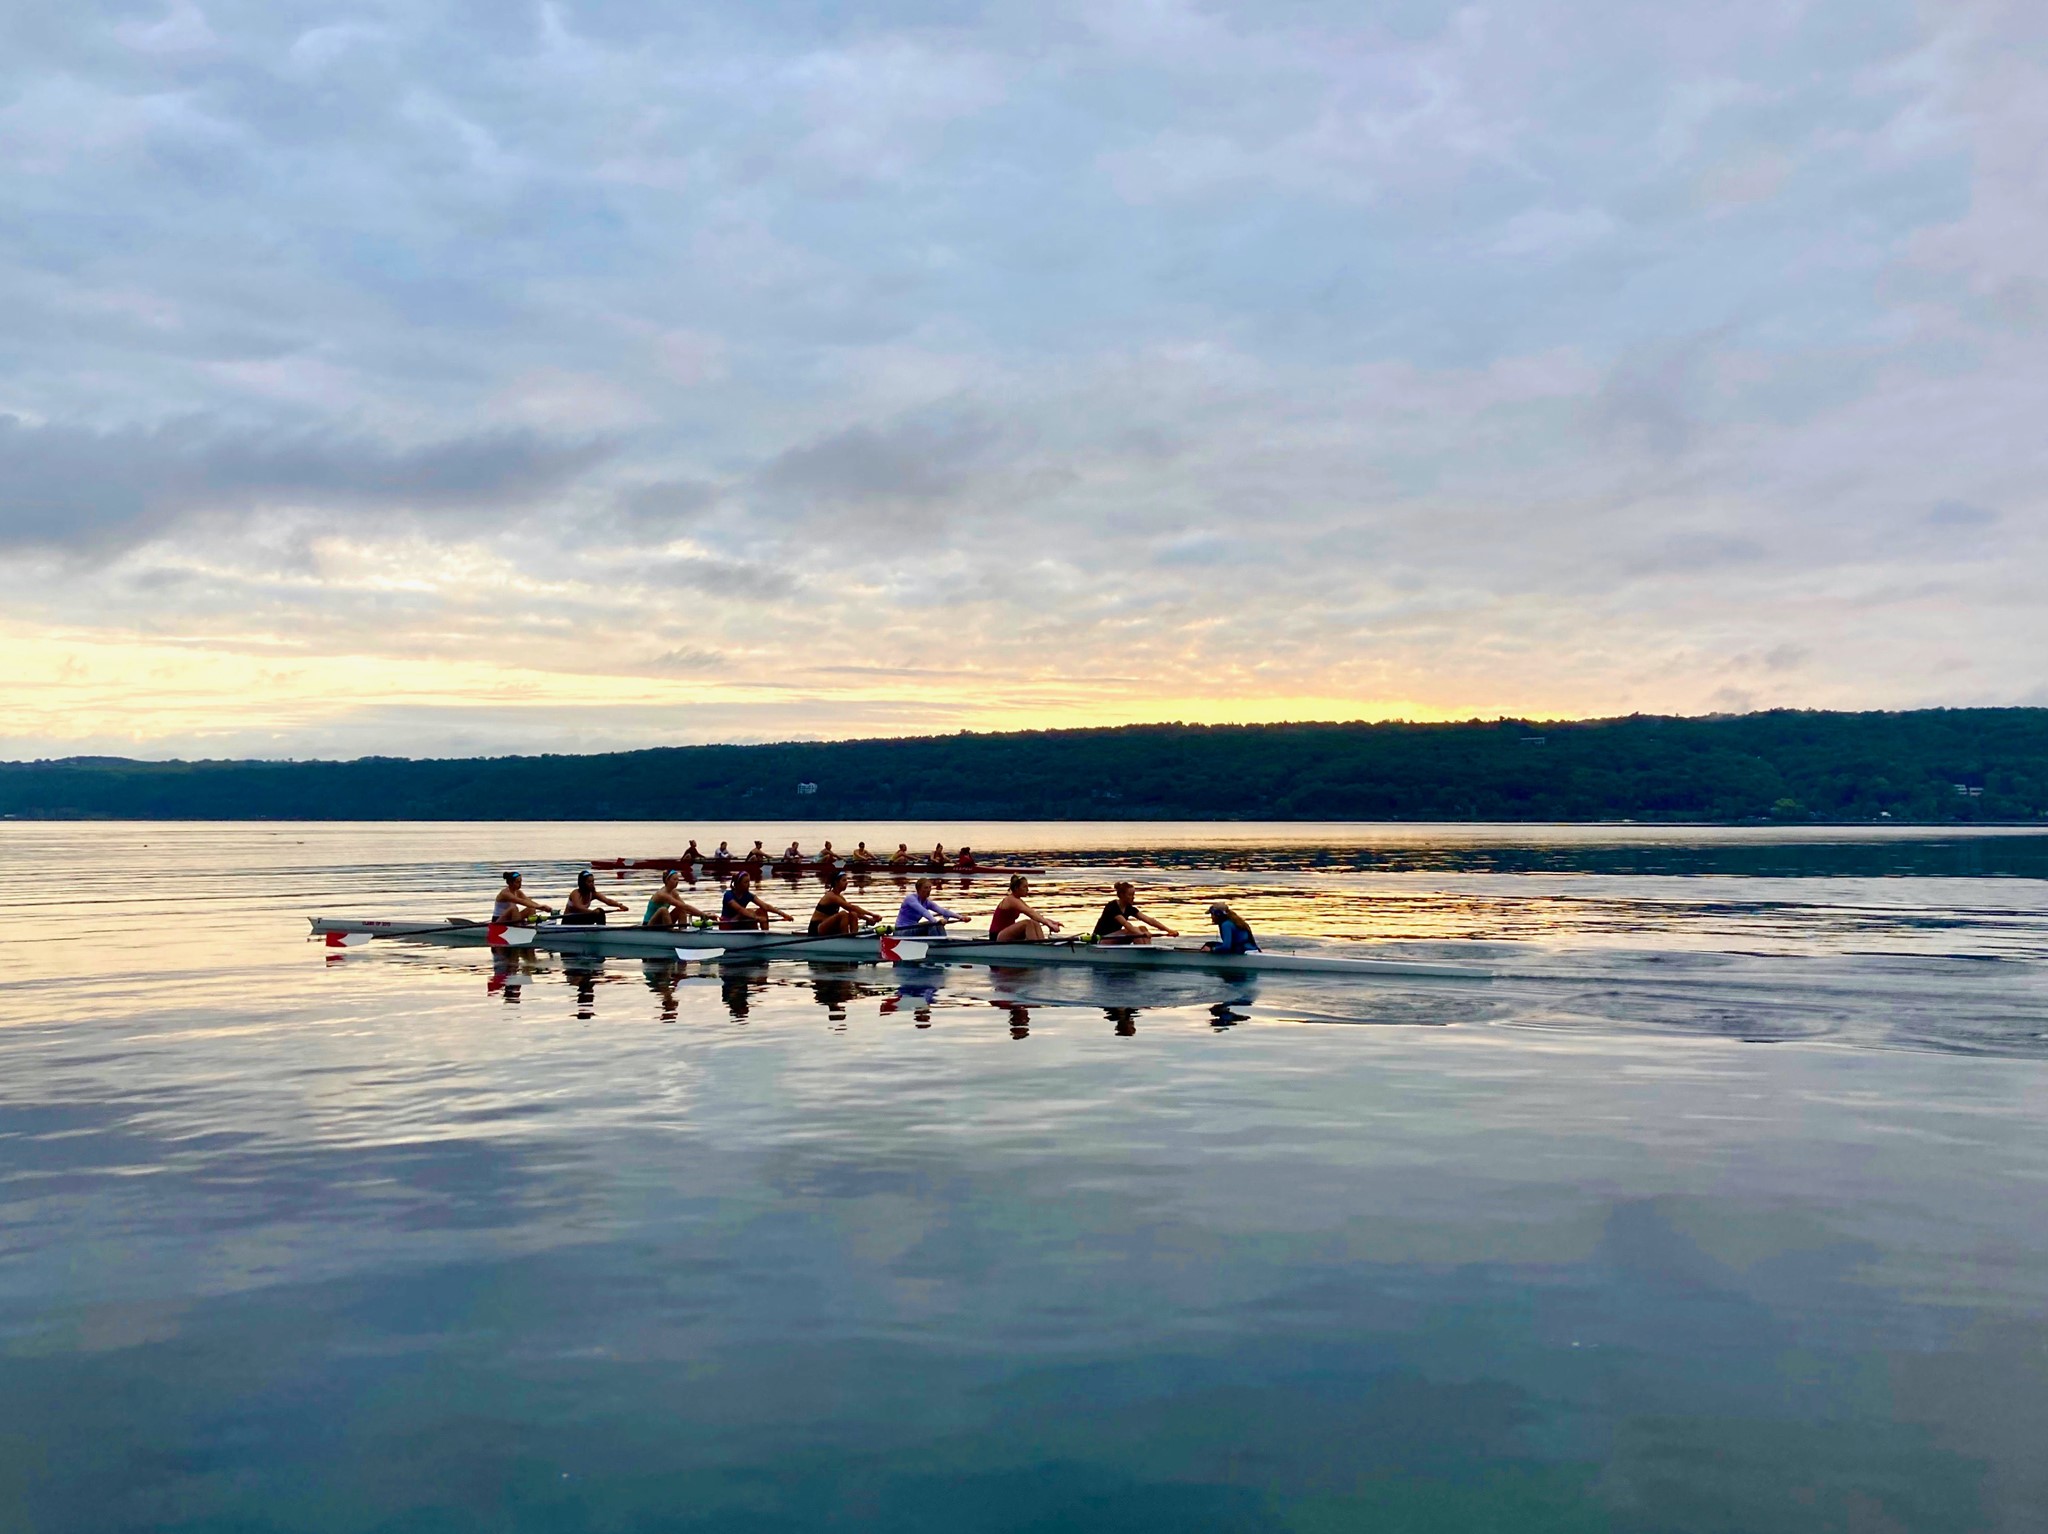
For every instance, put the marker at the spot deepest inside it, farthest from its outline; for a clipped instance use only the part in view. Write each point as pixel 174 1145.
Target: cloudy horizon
pixel 445 377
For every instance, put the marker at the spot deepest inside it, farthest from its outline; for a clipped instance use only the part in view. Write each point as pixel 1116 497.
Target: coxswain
pixel 1233 932
pixel 1015 921
pixel 514 907
pixel 1122 922
pixel 667 911
pixel 836 916
pixel 900 862
pixel 586 905
pixel 918 916
pixel 739 907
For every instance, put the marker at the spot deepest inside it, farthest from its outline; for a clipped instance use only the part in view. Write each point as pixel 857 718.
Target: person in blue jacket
pixel 1233 932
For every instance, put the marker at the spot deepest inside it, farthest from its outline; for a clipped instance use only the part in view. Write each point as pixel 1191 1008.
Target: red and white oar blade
pixel 699 955
pixel 499 936
pixel 348 939
pixel 904 950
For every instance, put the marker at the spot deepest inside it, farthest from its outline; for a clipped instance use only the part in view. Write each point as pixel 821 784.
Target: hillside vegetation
pixel 1936 765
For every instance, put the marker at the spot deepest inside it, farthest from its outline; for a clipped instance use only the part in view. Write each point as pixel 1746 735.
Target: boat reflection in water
pixel 914 992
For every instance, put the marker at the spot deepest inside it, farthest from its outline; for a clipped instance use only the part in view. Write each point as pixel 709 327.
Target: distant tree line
pixel 1934 766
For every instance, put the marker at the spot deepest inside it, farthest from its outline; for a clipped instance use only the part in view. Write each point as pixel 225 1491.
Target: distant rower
pixel 860 857
pixel 691 856
pixel 1122 922
pixel 901 861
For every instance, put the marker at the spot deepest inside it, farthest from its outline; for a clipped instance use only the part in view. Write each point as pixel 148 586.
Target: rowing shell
pixel 869 948
pixel 712 867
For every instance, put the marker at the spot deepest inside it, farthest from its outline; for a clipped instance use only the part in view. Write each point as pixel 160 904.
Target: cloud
pixel 1220 355
pixel 904 474
pixel 76 487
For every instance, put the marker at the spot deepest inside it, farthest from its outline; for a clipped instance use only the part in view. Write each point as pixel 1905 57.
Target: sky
pixel 458 376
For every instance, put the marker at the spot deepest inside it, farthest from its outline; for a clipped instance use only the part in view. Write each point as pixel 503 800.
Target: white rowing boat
pixel 727 947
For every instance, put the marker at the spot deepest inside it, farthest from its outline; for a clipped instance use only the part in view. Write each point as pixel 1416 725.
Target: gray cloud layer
pixel 70 486
pixel 1574 354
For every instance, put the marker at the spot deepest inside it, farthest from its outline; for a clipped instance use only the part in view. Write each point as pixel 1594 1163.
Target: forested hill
pixel 1937 765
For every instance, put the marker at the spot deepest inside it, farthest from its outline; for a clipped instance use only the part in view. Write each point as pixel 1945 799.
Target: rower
pixel 737 909
pixel 794 857
pixel 1015 921
pixel 860 857
pixel 1233 932
pixel 937 861
pixel 756 861
pixel 585 903
pixel 836 916
pixel 667 911
pixel 722 858
pixel 1122 922
pixel 691 856
pixel 919 917
pixel 900 863
pixel 965 862
pixel 827 860
pixel 514 907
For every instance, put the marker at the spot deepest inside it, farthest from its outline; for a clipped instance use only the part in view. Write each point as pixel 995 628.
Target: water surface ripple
pixel 1719 1210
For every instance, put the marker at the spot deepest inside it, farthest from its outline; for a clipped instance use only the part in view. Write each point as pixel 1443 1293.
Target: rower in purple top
pixel 918 916
pixel 1015 921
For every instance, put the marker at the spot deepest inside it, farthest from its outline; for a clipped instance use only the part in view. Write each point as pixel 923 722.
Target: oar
pixel 497 934
pixel 698 955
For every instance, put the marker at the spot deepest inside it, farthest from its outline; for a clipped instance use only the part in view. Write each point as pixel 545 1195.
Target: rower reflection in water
pixel 736 988
pixel 509 969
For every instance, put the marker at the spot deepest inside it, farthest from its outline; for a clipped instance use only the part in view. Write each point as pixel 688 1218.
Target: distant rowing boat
pixel 728 947
pixel 721 868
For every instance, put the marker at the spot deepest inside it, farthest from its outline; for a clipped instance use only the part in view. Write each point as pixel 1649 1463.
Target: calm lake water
pixel 1723 1208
